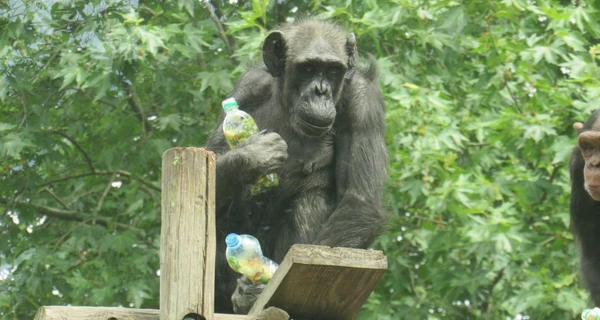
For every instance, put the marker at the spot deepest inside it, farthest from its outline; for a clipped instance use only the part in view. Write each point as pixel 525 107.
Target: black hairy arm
pixel 361 169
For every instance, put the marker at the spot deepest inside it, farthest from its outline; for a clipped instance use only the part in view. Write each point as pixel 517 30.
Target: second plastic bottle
pixel 245 256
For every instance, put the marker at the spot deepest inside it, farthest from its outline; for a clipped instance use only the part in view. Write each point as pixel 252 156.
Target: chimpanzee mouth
pixel 309 129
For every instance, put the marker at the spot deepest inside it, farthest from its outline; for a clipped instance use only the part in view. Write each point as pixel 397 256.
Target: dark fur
pixel 585 220
pixel 330 186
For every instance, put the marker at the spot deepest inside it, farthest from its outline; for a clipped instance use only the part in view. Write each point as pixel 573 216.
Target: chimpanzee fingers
pixel 274 140
pixel 245 295
pixel 278 147
pixel 268 152
pixel 247 287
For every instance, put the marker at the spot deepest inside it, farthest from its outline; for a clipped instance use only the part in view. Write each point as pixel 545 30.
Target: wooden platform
pixel 318 282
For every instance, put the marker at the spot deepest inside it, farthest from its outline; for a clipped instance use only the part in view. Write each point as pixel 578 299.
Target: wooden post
pixel 187 244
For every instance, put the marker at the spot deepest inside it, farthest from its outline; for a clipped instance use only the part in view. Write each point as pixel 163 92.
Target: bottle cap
pixel 232 240
pixel 229 104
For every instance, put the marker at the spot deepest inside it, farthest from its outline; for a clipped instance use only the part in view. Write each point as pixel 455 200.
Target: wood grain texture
pixel 187 246
pixel 317 282
pixel 105 313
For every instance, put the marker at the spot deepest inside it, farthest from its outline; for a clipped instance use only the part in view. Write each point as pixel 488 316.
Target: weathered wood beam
pixel 187 239
pixel 317 282
pixel 106 313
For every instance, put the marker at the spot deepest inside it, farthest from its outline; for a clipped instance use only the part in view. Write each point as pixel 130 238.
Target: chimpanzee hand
pixel 245 295
pixel 262 153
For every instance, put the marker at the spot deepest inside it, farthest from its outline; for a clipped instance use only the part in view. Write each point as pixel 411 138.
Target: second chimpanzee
pixel 585 201
pixel 324 120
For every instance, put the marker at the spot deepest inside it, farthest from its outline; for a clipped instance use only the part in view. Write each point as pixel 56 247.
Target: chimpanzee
pixel 323 122
pixel 585 201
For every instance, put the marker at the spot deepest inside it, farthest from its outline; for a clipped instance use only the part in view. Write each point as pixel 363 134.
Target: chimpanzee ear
pixel 352 53
pixel 578 127
pixel 274 53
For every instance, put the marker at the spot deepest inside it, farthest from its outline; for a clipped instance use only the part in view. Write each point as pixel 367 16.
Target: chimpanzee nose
pixel 321 88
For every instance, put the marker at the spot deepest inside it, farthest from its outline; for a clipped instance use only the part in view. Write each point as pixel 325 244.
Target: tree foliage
pixel 481 97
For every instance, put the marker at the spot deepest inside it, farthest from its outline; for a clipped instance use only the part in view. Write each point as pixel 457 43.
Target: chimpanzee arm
pixel 585 223
pixel 361 169
pixel 257 155
pixel 243 165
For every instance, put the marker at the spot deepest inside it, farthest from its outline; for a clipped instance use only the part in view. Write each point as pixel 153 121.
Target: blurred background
pixel 481 97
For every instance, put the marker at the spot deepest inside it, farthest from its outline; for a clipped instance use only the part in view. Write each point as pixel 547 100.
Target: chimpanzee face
pixel 311 70
pixel 315 86
pixel 589 145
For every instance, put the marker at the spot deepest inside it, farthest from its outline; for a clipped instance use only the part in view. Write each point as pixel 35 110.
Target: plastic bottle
pixel 591 314
pixel 245 256
pixel 237 127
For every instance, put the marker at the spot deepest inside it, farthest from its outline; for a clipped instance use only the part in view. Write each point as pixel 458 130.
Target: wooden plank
pixel 187 244
pixel 106 313
pixel 320 282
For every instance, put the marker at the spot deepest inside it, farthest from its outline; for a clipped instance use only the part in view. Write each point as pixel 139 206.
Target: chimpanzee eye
pixel 588 147
pixel 335 72
pixel 309 68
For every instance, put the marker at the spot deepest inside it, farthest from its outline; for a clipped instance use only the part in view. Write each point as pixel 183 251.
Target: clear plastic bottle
pixel 245 256
pixel 237 127
pixel 591 314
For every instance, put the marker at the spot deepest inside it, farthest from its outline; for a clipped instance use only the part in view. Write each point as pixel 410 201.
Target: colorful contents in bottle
pixel 591 314
pixel 253 269
pixel 236 135
pixel 264 183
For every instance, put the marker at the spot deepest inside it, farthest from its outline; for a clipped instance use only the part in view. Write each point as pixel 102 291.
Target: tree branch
pixel 98 173
pixel 485 306
pixel 430 220
pixel 79 197
pixel 517 106
pixel 24 113
pixel 108 103
pixel 57 198
pixel 77 145
pixel 36 77
pixel 511 94
pixel 71 215
pixel 133 99
pixel 141 180
pixel 47 183
pixel 149 193
pixel 214 9
pixel 135 104
pixel 552 177
pixel 63 237
pixel 101 201
pixel 412 282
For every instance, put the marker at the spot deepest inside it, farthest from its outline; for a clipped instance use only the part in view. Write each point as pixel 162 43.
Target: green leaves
pixel 12 144
pixel 479 135
pixel 86 110
pixel 481 98
pixel 3 88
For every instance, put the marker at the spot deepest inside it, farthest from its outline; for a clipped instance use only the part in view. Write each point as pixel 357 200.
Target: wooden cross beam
pixel 312 281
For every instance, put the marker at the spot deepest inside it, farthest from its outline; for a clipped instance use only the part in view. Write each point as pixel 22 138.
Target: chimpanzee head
pixel 589 145
pixel 311 59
